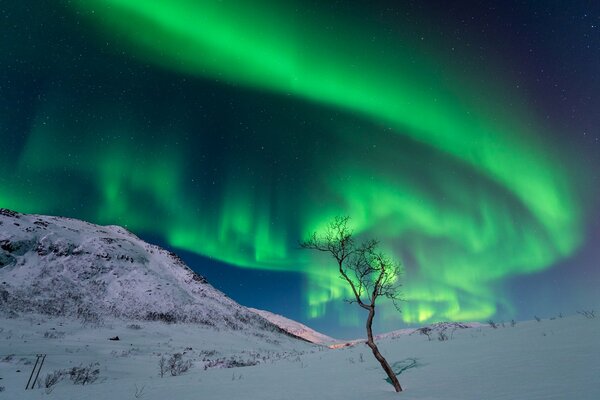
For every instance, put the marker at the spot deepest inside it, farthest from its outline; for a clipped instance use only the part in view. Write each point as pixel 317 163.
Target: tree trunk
pixel 371 343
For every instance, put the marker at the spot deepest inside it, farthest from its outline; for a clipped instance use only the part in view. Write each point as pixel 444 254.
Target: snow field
pixel 551 359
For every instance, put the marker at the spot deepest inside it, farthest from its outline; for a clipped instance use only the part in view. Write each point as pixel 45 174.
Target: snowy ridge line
pixel 435 327
pixel 295 328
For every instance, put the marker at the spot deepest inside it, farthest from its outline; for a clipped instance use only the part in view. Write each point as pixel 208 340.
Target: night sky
pixel 465 137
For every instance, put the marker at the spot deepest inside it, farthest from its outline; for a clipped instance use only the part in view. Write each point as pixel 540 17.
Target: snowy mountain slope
pixel 67 267
pixel 294 327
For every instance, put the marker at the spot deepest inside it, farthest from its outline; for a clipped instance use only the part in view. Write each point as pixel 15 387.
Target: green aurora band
pixel 453 221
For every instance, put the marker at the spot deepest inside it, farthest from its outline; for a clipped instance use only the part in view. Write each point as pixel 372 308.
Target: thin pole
pixel 33 370
pixel 39 369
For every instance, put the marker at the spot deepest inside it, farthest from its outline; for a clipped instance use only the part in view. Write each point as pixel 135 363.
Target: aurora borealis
pixel 231 130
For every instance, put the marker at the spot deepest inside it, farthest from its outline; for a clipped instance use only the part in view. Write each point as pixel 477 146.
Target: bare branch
pixel 368 271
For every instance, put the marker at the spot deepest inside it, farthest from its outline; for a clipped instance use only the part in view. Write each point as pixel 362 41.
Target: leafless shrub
pixel 135 327
pixel 589 314
pixel 177 366
pixel 125 353
pixel 82 375
pixel 538 319
pixel 452 333
pixel 442 336
pixel 427 331
pixel 88 316
pixel 139 392
pixel 492 324
pixel 53 378
pixel 50 380
pixel 234 377
pixel 233 362
pixel 159 316
pixel 162 366
pixel 54 334
pixel 208 353
pixel 513 323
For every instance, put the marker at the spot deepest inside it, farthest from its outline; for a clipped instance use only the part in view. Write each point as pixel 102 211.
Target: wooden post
pixel 39 369
pixel 33 370
pixel 38 365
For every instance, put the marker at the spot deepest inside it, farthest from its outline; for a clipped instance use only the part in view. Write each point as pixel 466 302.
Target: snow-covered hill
pixel 66 267
pixel 439 330
pixel 295 327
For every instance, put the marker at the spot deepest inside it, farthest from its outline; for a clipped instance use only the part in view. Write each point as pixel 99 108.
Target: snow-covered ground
pixel 551 359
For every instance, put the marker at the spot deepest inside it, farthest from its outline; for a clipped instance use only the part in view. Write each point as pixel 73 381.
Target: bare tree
pixel 589 314
pixel 369 272
pixel 162 366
